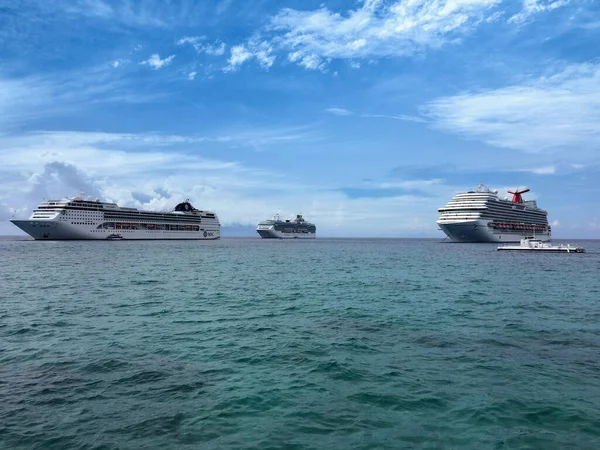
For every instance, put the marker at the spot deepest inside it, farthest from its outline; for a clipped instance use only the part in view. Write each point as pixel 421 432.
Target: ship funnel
pixel 517 195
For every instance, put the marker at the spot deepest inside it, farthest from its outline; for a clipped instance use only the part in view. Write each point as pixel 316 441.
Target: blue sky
pixel 365 116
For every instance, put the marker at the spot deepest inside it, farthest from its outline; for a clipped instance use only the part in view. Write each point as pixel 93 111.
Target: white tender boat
pixel 536 245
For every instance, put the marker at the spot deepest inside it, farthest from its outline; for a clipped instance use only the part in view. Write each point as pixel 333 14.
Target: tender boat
pixel 536 245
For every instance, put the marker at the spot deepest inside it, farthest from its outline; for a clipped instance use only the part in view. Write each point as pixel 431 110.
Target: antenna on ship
pixel 517 195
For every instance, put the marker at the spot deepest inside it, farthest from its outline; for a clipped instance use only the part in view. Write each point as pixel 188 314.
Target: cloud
pixel 339 111
pixel 260 51
pixel 124 13
pixel 397 117
pixel 376 29
pixel 346 112
pixel 560 112
pixel 26 99
pixel 192 76
pixel 239 55
pixel 137 170
pixel 308 61
pixel 531 7
pixel 379 29
pixel 198 42
pixel 314 38
pixel 156 63
pixel 546 170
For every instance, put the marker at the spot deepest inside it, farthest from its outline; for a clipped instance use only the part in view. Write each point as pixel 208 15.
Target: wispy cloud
pixel 308 61
pixel 345 112
pixel 376 28
pixel 199 44
pixel 48 95
pixel 396 117
pixel 156 63
pixel 339 111
pixel 261 51
pixel 239 55
pixel 531 7
pixel 560 112
pixel 545 170
pixel 129 13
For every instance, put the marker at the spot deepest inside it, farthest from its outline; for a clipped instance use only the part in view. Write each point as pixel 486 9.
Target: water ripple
pixel 337 344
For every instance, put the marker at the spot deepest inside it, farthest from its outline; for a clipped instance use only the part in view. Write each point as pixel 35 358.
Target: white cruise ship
pixel 296 228
pixel 481 216
pixel 78 218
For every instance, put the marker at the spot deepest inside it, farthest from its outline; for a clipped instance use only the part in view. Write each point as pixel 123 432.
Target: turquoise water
pixel 325 344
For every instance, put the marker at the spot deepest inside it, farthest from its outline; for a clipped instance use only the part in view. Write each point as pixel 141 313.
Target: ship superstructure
pixel 79 218
pixel 296 228
pixel 481 216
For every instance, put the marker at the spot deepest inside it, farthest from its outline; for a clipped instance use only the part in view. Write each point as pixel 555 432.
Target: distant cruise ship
pixel 77 218
pixel 480 216
pixel 276 228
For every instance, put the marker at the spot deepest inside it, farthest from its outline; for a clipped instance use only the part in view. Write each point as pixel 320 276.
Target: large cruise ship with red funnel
pixel 481 216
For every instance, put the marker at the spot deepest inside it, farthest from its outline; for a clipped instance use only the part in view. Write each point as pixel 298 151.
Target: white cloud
pixel 116 63
pixel 192 75
pixel 376 28
pixel 130 13
pixel 309 62
pixel 261 51
pixel 546 170
pixel 556 113
pixel 25 99
pixel 156 63
pixel 52 165
pixel 216 49
pixel 239 55
pixel 193 40
pixel 555 223
pixel 531 7
pixel 396 117
pixel 199 43
pixel 339 111
pixel 346 112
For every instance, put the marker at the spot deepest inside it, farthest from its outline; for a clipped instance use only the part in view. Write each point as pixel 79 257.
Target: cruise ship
pixel 481 216
pixel 296 228
pixel 79 218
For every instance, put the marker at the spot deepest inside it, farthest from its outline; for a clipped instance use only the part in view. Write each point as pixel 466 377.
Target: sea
pixel 312 344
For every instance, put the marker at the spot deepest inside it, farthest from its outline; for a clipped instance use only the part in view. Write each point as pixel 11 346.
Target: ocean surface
pixel 324 344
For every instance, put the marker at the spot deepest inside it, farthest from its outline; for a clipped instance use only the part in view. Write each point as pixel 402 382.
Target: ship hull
pixel 49 230
pixel 274 234
pixel 479 231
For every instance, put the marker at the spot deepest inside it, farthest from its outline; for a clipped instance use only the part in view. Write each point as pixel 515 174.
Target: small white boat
pixel 536 245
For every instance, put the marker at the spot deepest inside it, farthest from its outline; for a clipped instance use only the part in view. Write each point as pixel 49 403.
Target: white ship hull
pixel 480 215
pixel 271 233
pixel 76 219
pixel 58 230
pixel 479 231
pixel 296 228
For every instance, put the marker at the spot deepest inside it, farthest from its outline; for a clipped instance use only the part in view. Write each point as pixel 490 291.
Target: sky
pixel 364 116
